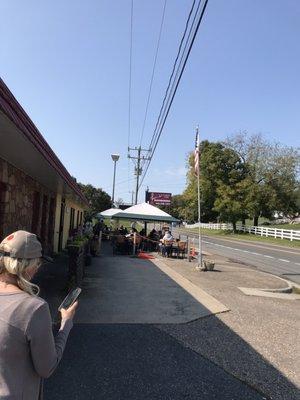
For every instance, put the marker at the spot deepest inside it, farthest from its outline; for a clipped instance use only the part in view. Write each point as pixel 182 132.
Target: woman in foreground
pixel 28 350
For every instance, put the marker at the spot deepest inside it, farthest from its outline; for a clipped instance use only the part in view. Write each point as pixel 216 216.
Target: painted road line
pixel 256 244
pixel 250 252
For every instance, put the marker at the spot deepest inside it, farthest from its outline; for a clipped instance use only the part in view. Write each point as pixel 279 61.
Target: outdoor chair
pixel 167 248
pixel 181 249
pixel 120 245
pixel 174 251
pixel 138 243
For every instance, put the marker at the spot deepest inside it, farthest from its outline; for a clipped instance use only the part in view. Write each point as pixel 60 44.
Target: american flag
pixel 196 153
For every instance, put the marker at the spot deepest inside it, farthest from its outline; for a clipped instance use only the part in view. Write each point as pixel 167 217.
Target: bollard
pixel 100 242
pixel 134 243
pixel 188 249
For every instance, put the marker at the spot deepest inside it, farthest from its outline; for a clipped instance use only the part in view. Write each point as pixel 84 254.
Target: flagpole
pixel 199 206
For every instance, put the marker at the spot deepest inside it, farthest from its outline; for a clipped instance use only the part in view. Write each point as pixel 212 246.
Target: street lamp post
pixel 115 158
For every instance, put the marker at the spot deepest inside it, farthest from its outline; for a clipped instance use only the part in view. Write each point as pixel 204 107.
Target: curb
pixel 287 289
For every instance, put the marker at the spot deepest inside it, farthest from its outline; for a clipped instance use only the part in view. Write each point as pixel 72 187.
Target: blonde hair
pixel 17 267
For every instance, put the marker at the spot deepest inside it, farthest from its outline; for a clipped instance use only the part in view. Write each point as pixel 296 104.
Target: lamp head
pixel 115 157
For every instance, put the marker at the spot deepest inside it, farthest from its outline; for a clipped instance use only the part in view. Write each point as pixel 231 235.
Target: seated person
pixel 123 230
pixel 166 246
pixel 168 236
pixel 154 238
pixel 121 244
pixel 130 234
pixel 143 232
pixel 153 234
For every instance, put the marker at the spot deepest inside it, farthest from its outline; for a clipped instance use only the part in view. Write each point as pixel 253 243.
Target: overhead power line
pixel 130 75
pixel 170 93
pixel 165 109
pixel 173 70
pixel 171 87
pixel 129 87
pixel 153 70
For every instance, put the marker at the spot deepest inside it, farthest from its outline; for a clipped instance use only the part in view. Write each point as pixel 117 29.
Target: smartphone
pixel 70 299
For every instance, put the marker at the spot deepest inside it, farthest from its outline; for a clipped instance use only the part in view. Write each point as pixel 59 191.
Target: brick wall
pixel 25 204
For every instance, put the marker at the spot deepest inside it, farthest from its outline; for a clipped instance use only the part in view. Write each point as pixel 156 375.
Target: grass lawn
pixel 247 236
pixel 261 221
pixel 125 222
pixel 293 227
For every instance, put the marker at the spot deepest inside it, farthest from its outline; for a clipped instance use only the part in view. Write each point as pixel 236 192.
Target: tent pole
pixel 134 243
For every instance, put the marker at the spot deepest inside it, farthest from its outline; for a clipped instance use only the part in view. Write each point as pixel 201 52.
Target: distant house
pixel 37 193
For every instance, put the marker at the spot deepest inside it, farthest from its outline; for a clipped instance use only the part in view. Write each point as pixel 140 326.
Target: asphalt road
pixel 135 362
pixel 277 260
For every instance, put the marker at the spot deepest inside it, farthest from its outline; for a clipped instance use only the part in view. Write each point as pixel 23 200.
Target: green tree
pixel 230 202
pixel 272 174
pixel 177 207
pixel 220 167
pixel 98 199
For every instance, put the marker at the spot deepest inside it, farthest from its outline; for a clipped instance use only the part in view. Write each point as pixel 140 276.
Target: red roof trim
pixel 14 111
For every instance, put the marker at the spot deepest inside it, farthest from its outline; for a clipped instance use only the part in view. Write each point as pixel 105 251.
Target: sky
pixel 67 63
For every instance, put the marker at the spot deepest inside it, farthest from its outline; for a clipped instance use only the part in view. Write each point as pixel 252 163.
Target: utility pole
pixel 138 170
pixel 132 196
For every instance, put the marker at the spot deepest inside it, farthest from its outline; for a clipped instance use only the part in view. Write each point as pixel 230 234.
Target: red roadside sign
pixel 157 198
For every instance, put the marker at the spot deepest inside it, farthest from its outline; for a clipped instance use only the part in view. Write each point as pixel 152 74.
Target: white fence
pixel 256 230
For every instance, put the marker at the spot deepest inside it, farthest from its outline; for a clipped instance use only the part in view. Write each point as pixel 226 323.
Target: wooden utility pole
pixel 138 169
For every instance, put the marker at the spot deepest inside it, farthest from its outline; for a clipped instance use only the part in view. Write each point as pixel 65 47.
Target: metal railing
pixel 276 233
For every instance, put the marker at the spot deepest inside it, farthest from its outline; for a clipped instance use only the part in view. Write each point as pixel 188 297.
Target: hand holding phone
pixel 70 312
pixel 69 304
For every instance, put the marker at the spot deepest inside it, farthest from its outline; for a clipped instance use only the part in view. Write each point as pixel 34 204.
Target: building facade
pixel 37 193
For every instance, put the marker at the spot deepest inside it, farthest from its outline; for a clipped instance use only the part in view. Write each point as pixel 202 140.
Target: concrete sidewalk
pixel 123 289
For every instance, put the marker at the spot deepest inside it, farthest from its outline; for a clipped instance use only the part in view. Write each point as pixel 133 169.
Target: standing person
pixel 28 350
pixel 98 227
pixel 95 242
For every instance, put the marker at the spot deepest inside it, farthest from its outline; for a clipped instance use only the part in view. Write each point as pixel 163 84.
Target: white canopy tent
pixel 109 213
pixel 145 212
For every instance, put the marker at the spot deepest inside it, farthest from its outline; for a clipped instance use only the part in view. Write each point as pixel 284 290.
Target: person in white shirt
pixel 168 236
pixel 166 248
